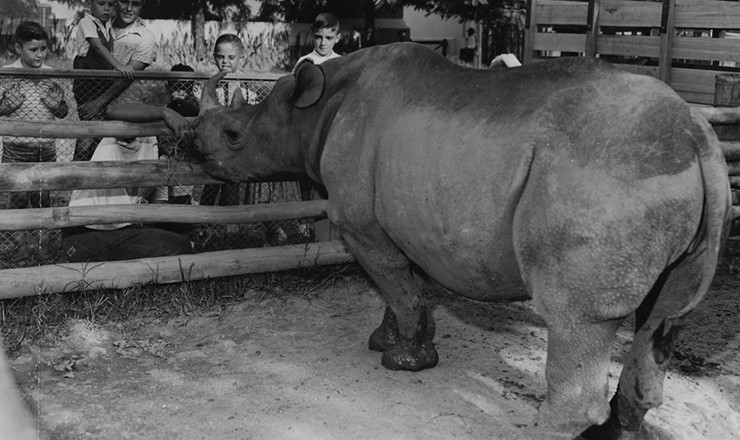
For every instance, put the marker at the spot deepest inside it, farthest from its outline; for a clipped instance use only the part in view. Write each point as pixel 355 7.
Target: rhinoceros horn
pixel 208 98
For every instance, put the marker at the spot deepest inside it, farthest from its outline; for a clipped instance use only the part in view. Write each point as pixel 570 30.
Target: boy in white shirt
pixel 30 98
pixel 325 30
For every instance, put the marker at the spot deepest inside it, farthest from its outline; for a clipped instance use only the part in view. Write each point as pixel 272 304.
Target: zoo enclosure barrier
pixel 267 233
pixel 692 45
pixel 685 43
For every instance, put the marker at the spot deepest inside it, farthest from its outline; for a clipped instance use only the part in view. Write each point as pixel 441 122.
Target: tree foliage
pixel 16 8
pixel 234 10
pixel 492 12
pixel 304 11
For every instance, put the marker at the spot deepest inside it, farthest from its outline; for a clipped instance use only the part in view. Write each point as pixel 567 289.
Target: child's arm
pixel 54 100
pixel 137 112
pixel 96 44
pixel 11 99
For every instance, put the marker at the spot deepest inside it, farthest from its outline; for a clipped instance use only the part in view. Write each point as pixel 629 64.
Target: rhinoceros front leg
pixel 406 333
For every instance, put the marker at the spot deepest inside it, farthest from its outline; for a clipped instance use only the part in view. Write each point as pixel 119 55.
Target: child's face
pixel 102 9
pixel 32 53
pixel 228 56
pixel 324 40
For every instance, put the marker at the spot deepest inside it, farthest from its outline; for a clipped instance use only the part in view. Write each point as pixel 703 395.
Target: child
pixel 227 54
pixel 31 98
pixel 94 50
pixel 325 29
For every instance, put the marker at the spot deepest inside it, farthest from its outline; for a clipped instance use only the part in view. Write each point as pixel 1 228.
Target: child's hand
pixel 12 98
pixel 127 70
pixel 54 96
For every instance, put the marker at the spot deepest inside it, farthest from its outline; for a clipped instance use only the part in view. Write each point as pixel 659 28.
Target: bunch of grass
pixel 43 317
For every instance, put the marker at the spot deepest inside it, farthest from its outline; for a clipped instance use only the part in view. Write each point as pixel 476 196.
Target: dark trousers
pixel 82 244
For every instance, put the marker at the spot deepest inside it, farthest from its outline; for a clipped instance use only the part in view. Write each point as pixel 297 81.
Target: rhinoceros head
pixel 244 142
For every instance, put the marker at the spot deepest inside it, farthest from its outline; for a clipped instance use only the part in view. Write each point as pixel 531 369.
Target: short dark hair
pixel 30 30
pixel 229 38
pixel 178 84
pixel 325 20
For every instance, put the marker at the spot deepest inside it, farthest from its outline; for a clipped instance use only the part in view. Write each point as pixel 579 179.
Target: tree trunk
pixel 198 28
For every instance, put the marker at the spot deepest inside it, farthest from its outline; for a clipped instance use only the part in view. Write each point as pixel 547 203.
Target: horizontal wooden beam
pixel 69 277
pixel 64 129
pixel 560 42
pixel 561 12
pixel 139 74
pixel 731 150
pixel 53 218
pixel 104 174
pixel 721 116
pixel 707 14
pixel 633 14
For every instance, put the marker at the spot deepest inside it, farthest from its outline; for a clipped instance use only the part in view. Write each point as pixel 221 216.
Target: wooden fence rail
pixel 67 277
pixel 70 277
pixel 642 36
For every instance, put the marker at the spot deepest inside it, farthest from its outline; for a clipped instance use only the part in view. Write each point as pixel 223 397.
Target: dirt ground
pixel 299 368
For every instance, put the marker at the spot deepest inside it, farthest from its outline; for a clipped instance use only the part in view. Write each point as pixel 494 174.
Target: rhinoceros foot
pixel 410 356
pixel 385 336
pixel 400 353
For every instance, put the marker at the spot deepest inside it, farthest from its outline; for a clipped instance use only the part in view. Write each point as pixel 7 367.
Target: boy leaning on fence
pixel 30 98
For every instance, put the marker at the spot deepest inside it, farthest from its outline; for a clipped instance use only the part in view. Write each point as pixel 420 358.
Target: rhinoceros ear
pixel 237 100
pixel 309 85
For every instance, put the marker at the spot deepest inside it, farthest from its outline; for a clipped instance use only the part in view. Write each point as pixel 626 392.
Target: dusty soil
pixel 299 368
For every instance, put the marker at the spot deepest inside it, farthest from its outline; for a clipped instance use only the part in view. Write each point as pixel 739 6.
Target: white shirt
pixel 32 108
pixel 134 42
pixel 316 58
pixel 144 148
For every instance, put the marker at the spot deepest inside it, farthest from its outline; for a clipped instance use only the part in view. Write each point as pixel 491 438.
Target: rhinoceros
pixel 593 192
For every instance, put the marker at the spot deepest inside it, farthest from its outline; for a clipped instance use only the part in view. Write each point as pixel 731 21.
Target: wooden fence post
pixel 530 30
pixel 727 94
pixel 665 58
pixel 592 27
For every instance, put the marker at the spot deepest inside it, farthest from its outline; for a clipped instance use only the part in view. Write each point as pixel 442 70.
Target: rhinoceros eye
pixel 232 136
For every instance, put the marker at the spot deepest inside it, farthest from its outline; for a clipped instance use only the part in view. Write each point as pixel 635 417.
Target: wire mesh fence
pixel 38 97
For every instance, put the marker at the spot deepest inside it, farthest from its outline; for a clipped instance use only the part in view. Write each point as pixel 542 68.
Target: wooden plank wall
pixel 674 40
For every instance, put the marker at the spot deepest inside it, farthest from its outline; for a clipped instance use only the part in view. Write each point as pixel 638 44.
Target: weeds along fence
pixel 266 230
pixel 685 43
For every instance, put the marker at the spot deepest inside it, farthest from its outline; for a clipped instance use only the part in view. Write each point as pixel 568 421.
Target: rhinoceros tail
pixel 716 216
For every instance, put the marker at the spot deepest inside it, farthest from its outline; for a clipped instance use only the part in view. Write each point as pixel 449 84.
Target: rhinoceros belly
pixel 452 214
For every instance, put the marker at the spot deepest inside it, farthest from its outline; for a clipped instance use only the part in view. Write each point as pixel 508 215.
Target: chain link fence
pixel 87 99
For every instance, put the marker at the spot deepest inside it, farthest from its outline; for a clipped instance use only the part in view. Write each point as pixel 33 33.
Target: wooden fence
pixel 79 175
pixel 686 43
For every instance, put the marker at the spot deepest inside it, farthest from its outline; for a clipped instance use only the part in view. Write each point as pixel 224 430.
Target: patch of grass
pixel 44 317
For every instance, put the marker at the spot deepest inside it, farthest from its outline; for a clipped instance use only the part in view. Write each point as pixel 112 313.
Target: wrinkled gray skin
pixel 594 192
pixel 16 422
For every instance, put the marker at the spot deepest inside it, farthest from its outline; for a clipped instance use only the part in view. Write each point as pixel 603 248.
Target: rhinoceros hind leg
pixel 641 382
pixel 578 356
